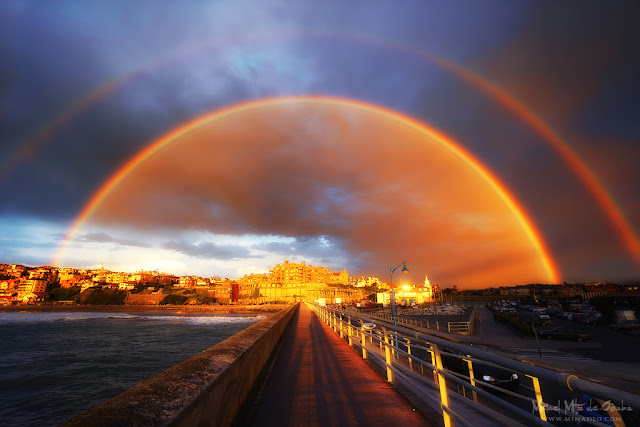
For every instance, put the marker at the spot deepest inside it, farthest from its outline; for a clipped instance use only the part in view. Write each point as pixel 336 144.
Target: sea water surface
pixel 55 365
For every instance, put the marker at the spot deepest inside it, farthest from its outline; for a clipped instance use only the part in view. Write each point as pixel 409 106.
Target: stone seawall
pixel 207 389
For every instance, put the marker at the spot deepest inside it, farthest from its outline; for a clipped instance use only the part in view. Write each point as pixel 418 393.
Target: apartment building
pixel 303 273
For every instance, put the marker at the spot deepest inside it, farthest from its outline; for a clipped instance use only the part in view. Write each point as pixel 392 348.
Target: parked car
pixel 499 377
pixel 535 319
pixel 368 326
pixel 626 325
pixel 598 320
pixel 565 333
pixel 580 317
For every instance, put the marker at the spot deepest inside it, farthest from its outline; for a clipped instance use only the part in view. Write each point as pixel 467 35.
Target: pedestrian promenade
pixel 318 380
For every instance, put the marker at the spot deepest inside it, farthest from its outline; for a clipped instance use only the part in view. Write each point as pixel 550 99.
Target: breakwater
pixel 207 389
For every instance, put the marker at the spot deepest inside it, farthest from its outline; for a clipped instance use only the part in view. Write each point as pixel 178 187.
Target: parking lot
pixel 615 345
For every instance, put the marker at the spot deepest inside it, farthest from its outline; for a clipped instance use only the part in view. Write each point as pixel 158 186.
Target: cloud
pixel 100 237
pixel 369 190
pixel 327 178
pixel 208 250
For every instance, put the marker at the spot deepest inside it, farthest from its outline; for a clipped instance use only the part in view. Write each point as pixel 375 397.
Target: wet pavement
pixel 317 379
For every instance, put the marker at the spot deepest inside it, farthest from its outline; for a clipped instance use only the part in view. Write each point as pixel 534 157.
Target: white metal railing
pixel 396 349
pixel 450 327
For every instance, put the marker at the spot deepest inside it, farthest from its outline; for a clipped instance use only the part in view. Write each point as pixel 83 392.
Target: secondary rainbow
pixel 531 232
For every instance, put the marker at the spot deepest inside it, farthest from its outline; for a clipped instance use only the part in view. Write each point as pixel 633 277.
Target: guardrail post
pixel 539 401
pixel 409 351
pixel 349 330
pixel 341 334
pixel 433 363
pixel 387 355
pixel 442 383
pixel 472 378
pixel 364 344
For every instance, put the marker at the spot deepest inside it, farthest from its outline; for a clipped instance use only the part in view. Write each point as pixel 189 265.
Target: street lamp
pixel 405 270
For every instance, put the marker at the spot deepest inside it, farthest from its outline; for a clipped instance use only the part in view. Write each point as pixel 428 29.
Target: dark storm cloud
pixel 326 250
pixel 97 44
pixel 575 65
pixel 209 250
pixel 106 238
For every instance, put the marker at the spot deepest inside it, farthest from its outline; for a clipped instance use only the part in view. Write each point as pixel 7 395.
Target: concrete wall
pixel 207 389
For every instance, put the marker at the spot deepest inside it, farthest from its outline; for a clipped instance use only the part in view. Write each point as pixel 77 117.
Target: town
pixel 285 283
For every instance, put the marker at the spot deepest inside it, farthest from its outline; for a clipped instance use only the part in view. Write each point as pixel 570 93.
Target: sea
pixel 55 365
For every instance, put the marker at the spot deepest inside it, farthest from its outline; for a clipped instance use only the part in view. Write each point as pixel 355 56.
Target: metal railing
pixel 416 361
pixel 450 327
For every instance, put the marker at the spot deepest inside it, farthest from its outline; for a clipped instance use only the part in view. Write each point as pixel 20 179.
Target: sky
pixel 484 143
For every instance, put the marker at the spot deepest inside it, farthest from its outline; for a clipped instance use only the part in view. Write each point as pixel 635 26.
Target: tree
pixel 65 294
pixel 208 300
pixel 174 299
pixel 102 297
pixel 139 287
pixel 604 305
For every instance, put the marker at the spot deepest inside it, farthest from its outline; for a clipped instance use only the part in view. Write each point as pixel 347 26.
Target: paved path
pixel 318 380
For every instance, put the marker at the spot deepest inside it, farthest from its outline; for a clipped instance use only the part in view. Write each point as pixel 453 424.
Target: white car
pixel 368 326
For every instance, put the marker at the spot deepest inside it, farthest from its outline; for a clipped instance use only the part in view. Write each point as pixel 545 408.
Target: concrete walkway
pixel 318 380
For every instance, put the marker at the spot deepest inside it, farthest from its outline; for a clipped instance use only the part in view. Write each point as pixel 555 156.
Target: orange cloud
pixel 382 189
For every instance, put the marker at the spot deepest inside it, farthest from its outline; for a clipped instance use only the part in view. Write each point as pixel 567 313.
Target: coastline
pixel 169 309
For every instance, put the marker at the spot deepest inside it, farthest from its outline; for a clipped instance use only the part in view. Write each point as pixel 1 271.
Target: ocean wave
pixel 206 320
pixel 44 317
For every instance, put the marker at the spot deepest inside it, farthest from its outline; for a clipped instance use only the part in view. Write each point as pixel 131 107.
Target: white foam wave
pixel 36 317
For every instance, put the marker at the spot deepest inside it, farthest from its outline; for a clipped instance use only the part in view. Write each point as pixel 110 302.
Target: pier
pixel 312 365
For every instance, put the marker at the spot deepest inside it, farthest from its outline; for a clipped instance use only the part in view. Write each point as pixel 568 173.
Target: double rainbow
pixel 603 198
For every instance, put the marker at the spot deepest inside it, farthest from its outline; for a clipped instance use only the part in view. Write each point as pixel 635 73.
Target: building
pixel 410 294
pixel 187 282
pixel 339 278
pixel 34 285
pixel 303 273
pixel 69 277
pixel 361 282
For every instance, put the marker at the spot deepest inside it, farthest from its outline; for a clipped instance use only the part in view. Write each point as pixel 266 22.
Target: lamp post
pixel 349 291
pixel 405 270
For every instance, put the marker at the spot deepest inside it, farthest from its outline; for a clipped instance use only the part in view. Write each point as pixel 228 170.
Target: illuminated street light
pixel 405 270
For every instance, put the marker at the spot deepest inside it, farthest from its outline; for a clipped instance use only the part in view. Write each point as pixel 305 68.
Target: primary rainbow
pixel 517 210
